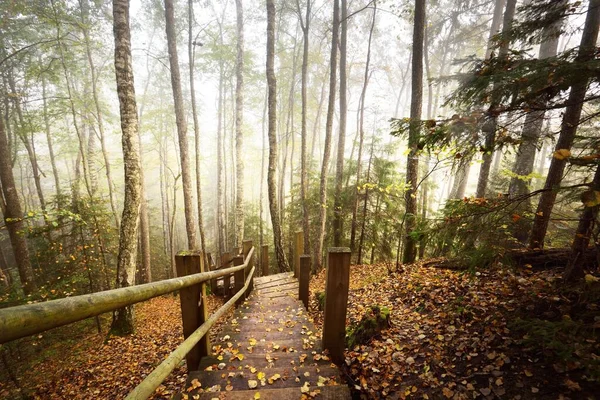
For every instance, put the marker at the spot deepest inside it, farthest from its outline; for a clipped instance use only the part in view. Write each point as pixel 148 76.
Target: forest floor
pixel 75 362
pixel 502 333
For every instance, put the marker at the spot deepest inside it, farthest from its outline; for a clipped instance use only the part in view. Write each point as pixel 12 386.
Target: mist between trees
pixel 403 130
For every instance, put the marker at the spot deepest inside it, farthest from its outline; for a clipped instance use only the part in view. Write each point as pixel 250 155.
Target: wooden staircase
pixel 268 350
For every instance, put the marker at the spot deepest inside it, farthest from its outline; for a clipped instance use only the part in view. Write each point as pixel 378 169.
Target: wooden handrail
pixel 28 319
pixel 156 377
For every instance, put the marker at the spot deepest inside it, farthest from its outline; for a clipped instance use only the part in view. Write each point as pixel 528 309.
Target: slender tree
pixel 188 196
pixel 13 216
pixel 534 121
pixel 339 168
pixel 272 124
pixel 492 123
pixel 361 131
pixel 416 104
pixel 239 125
pixel 568 129
pixel 328 128
pixel 191 55
pixel 126 260
pixel 305 26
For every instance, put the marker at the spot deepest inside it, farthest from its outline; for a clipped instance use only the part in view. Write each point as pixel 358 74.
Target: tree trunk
pixel 191 54
pixel 239 124
pixel 188 196
pixel 492 123
pixel 361 132
pixel 303 167
pixel 49 137
pixel 568 129
pixel 364 213
pixel 99 118
pixel 532 128
pixel 416 104
pixel 339 171
pixel 220 161
pixel 460 180
pixel 29 145
pixel 13 216
pixel 126 260
pixel 328 128
pixel 272 108
pixel 585 231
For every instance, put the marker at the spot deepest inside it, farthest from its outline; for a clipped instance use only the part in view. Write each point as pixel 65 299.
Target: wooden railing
pixel 21 321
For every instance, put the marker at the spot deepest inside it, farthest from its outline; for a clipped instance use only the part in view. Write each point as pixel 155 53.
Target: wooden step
pixel 281 377
pixel 269 360
pixel 338 392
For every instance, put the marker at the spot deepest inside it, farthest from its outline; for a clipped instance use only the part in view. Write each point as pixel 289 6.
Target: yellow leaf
pixel 562 154
pixel 252 342
pixel 260 375
pixel 256 396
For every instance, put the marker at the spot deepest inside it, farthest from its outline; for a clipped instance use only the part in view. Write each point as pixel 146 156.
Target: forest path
pixel 268 350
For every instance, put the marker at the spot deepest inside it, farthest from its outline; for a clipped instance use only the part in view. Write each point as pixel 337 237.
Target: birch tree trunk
pixel 126 260
pixel 188 196
pixel 305 25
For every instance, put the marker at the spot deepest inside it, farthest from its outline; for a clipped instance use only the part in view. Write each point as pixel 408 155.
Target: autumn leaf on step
pixel 252 342
pixel 252 384
pixel 195 385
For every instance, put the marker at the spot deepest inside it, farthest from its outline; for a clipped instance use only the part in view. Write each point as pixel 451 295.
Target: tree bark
pixel 99 117
pixel 191 54
pixel 272 124
pixel 305 25
pixel 126 260
pixel 492 124
pixel 49 138
pixel 13 216
pixel 532 128
pixel 29 145
pixel 328 128
pixel 339 170
pixel 188 196
pixel 239 124
pixel 364 212
pixel 416 104
pixel 361 132
pixel 568 129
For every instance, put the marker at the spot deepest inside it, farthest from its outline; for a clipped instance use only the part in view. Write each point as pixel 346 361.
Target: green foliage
pixel 476 230
pixel 375 320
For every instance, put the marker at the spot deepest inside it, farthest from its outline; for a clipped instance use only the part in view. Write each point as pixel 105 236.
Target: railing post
pixel 240 277
pixel 304 279
pixel 212 267
pixel 265 260
pixel 299 250
pixel 193 305
pixel 247 246
pixel 336 302
pixel 225 258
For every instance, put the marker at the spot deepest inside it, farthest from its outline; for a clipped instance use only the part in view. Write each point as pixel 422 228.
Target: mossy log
pixel 375 320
